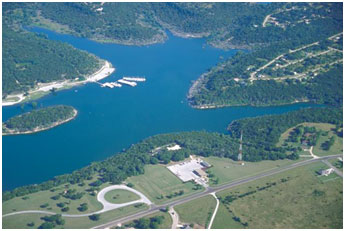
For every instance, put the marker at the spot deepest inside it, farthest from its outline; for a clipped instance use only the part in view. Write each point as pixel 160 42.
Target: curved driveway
pixel 107 206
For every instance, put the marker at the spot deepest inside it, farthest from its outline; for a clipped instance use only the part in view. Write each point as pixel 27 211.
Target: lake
pixel 110 120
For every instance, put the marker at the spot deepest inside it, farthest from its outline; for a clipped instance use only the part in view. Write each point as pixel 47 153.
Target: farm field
pixel 21 221
pixel 227 170
pixel 198 211
pixel 119 196
pixel 158 182
pixel 43 200
pixel 298 198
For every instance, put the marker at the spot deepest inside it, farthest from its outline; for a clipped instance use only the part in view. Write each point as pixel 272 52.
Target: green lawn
pixel 336 148
pixel 167 221
pixel 35 200
pixel 21 221
pixel 119 196
pixel 198 211
pixel 228 170
pixel 300 198
pixel 336 163
pixel 157 181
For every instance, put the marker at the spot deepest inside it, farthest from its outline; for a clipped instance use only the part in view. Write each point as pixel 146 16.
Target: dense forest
pixel 224 24
pixel 292 27
pixel 38 119
pixel 260 136
pixel 326 88
pixel 31 58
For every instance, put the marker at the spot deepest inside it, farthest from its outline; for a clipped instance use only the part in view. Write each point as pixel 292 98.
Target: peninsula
pixel 39 120
pixel 44 88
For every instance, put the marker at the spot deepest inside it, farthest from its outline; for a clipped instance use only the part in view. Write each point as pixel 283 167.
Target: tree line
pixel 260 135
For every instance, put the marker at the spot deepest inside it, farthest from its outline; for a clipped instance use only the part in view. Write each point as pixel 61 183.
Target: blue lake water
pixel 110 120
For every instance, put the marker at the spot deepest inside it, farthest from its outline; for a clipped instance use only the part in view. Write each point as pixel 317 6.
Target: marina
pixel 132 84
pixel 131 81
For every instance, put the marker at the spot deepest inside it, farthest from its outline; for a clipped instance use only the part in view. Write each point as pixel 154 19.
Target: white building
pixel 326 172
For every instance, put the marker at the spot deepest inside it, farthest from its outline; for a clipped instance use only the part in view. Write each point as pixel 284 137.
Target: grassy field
pixel 336 148
pixel 298 198
pixel 227 170
pixel 198 211
pixel 166 224
pixel 35 200
pixel 119 196
pixel 21 221
pixel 336 163
pixel 159 181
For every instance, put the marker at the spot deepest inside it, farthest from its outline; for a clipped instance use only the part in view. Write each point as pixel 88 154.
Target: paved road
pixel 155 208
pixel 100 197
pixel 174 217
pixel 215 211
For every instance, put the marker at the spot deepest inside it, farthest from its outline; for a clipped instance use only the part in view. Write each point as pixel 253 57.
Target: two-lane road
pixel 155 208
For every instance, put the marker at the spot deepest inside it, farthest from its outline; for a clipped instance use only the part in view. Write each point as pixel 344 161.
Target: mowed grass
pixel 227 170
pixel 119 196
pixel 159 181
pixel 20 221
pixel 300 198
pixel 198 211
pixel 336 148
pixel 336 163
pixel 167 221
pixel 35 200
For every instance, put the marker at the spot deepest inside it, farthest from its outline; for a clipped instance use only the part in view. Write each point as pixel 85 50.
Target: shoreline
pixel 214 106
pixel 46 128
pixel 43 89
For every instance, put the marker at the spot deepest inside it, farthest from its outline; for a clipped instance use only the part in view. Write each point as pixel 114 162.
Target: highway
pixel 155 208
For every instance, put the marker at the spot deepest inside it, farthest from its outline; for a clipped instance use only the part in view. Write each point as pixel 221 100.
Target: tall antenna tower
pixel 239 157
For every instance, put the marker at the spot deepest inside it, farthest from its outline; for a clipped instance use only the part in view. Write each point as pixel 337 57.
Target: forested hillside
pixel 260 136
pixel 325 88
pixel 225 25
pixel 29 59
pixel 304 64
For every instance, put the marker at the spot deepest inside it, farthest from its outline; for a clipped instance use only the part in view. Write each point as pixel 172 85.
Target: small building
pixel 174 148
pixel 200 173
pixel 205 164
pixel 326 172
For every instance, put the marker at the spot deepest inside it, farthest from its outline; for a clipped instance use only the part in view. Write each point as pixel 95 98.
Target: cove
pixel 110 120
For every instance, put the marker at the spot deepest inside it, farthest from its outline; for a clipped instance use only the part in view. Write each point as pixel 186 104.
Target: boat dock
pixel 136 79
pixel 131 81
pixel 132 84
pixel 111 84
